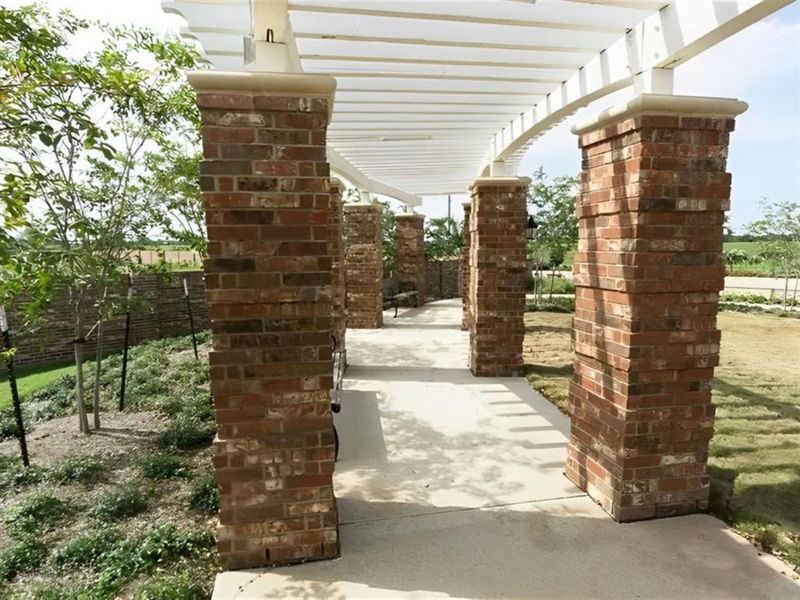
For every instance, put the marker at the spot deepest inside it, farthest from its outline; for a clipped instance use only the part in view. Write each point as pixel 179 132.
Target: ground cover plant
pixel 756 446
pixel 127 511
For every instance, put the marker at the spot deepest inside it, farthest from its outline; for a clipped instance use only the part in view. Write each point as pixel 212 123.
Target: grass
pixel 32 379
pixel 756 446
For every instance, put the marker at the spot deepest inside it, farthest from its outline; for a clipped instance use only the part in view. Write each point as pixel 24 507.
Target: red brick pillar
pixel 497 275
pixel 363 263
pixel 463 270
pixel 265 180
pixel 337 268
pixel 648 272
pixel 409 260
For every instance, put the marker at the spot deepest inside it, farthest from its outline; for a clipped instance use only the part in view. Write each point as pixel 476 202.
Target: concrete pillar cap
pixel 500 182
pixel 659 104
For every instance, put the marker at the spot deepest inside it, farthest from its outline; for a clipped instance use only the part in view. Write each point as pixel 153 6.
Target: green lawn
pixel 31 379
pixel 757 432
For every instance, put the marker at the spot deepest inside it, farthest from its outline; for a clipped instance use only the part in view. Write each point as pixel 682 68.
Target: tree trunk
pixel 97 370
pixel 786 292
pixel 83 421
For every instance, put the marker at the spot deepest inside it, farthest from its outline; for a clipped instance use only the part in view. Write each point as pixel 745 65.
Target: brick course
pixel 363 265
pixel 498 272
pixel 409 261
pixel 464 269
pixel 648 272
pixel 269 289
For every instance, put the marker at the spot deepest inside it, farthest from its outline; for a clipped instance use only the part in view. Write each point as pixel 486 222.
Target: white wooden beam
pixel 363 182
pixel 662 40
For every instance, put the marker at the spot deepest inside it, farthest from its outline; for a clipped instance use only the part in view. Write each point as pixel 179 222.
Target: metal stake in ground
pixel 191 317
pixel 12 379
pixel 125 347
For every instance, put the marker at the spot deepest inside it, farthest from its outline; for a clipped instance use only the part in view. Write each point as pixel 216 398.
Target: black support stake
pixel 125 347
pixel 12 379
pixel 191 318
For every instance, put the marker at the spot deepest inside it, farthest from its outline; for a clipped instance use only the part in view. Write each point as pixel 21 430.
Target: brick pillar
pixel 268 277
pixel 463 269
pixel 363 263
pixel 497 275
pixel 339 285
pixel 648 272
pixel 409 261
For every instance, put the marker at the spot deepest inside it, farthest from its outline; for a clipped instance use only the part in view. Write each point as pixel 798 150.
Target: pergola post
pixel 498 275
pixel 363 263
pixel 265 182
pixel 464 270
pixel 339 295
pixel 648 272
pixel 409 260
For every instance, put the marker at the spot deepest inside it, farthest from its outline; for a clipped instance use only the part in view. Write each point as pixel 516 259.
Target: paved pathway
pixel 452 486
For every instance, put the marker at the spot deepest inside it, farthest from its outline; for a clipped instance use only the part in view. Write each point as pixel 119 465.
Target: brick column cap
pixel 661 104
pixel 499 182
pixel 409 216
pixel 466 205
pixel 337 183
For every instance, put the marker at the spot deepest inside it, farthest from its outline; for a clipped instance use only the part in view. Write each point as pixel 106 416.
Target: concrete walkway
pixel 452 486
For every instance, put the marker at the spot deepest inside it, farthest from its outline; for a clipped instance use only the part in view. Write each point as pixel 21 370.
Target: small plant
pixel 183 585
pixel 13 474
pixel 121 502
pixel 37 512
pixel 162 466
pixel 204 495
pixel 21 556
pixel 82 469
pixel 187 433
pixel 86 550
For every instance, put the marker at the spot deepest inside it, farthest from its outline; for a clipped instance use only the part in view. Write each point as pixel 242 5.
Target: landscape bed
pixel 756 445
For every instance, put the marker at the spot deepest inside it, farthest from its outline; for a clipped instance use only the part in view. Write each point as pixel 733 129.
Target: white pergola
pixel 432 94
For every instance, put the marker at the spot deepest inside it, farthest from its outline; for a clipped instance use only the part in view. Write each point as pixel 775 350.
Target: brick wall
pixel 463 268
pixel 161 312
pixel 449 285
pixel 648 272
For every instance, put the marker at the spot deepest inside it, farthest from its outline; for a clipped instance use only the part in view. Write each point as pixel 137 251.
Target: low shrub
pixel 82 469
pixel 120 502
pixel 35 513
pixel 557 305
pixel 87 550
pixel 161 546
pixel 22 556
pixel 14 475
pixel 187 432
pixel 183 585
pixel 204 495
pixel 162 466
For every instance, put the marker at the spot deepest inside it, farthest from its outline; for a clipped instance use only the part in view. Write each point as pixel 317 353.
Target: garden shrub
pixel 162 466
pixel 82 469
pixel 204 495
pixel 183 585
pixel 86 550
pixel 21 556
pixel 120 502
pixel 37 512
pixel 187 432
pixel 13 474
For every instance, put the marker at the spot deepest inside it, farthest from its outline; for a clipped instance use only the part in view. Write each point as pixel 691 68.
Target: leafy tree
pixel 778 234
pixel 443 238
pixel 554 207
pixel 388 234
pixel 74 133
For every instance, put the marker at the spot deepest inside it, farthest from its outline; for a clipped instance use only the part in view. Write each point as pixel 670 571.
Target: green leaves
pixel 553 205
pixel 443 238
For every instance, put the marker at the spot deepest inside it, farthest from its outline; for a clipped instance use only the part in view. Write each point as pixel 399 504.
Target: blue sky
pixel 760 65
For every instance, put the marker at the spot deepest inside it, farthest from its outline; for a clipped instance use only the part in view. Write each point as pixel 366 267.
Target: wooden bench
pixel 395 291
